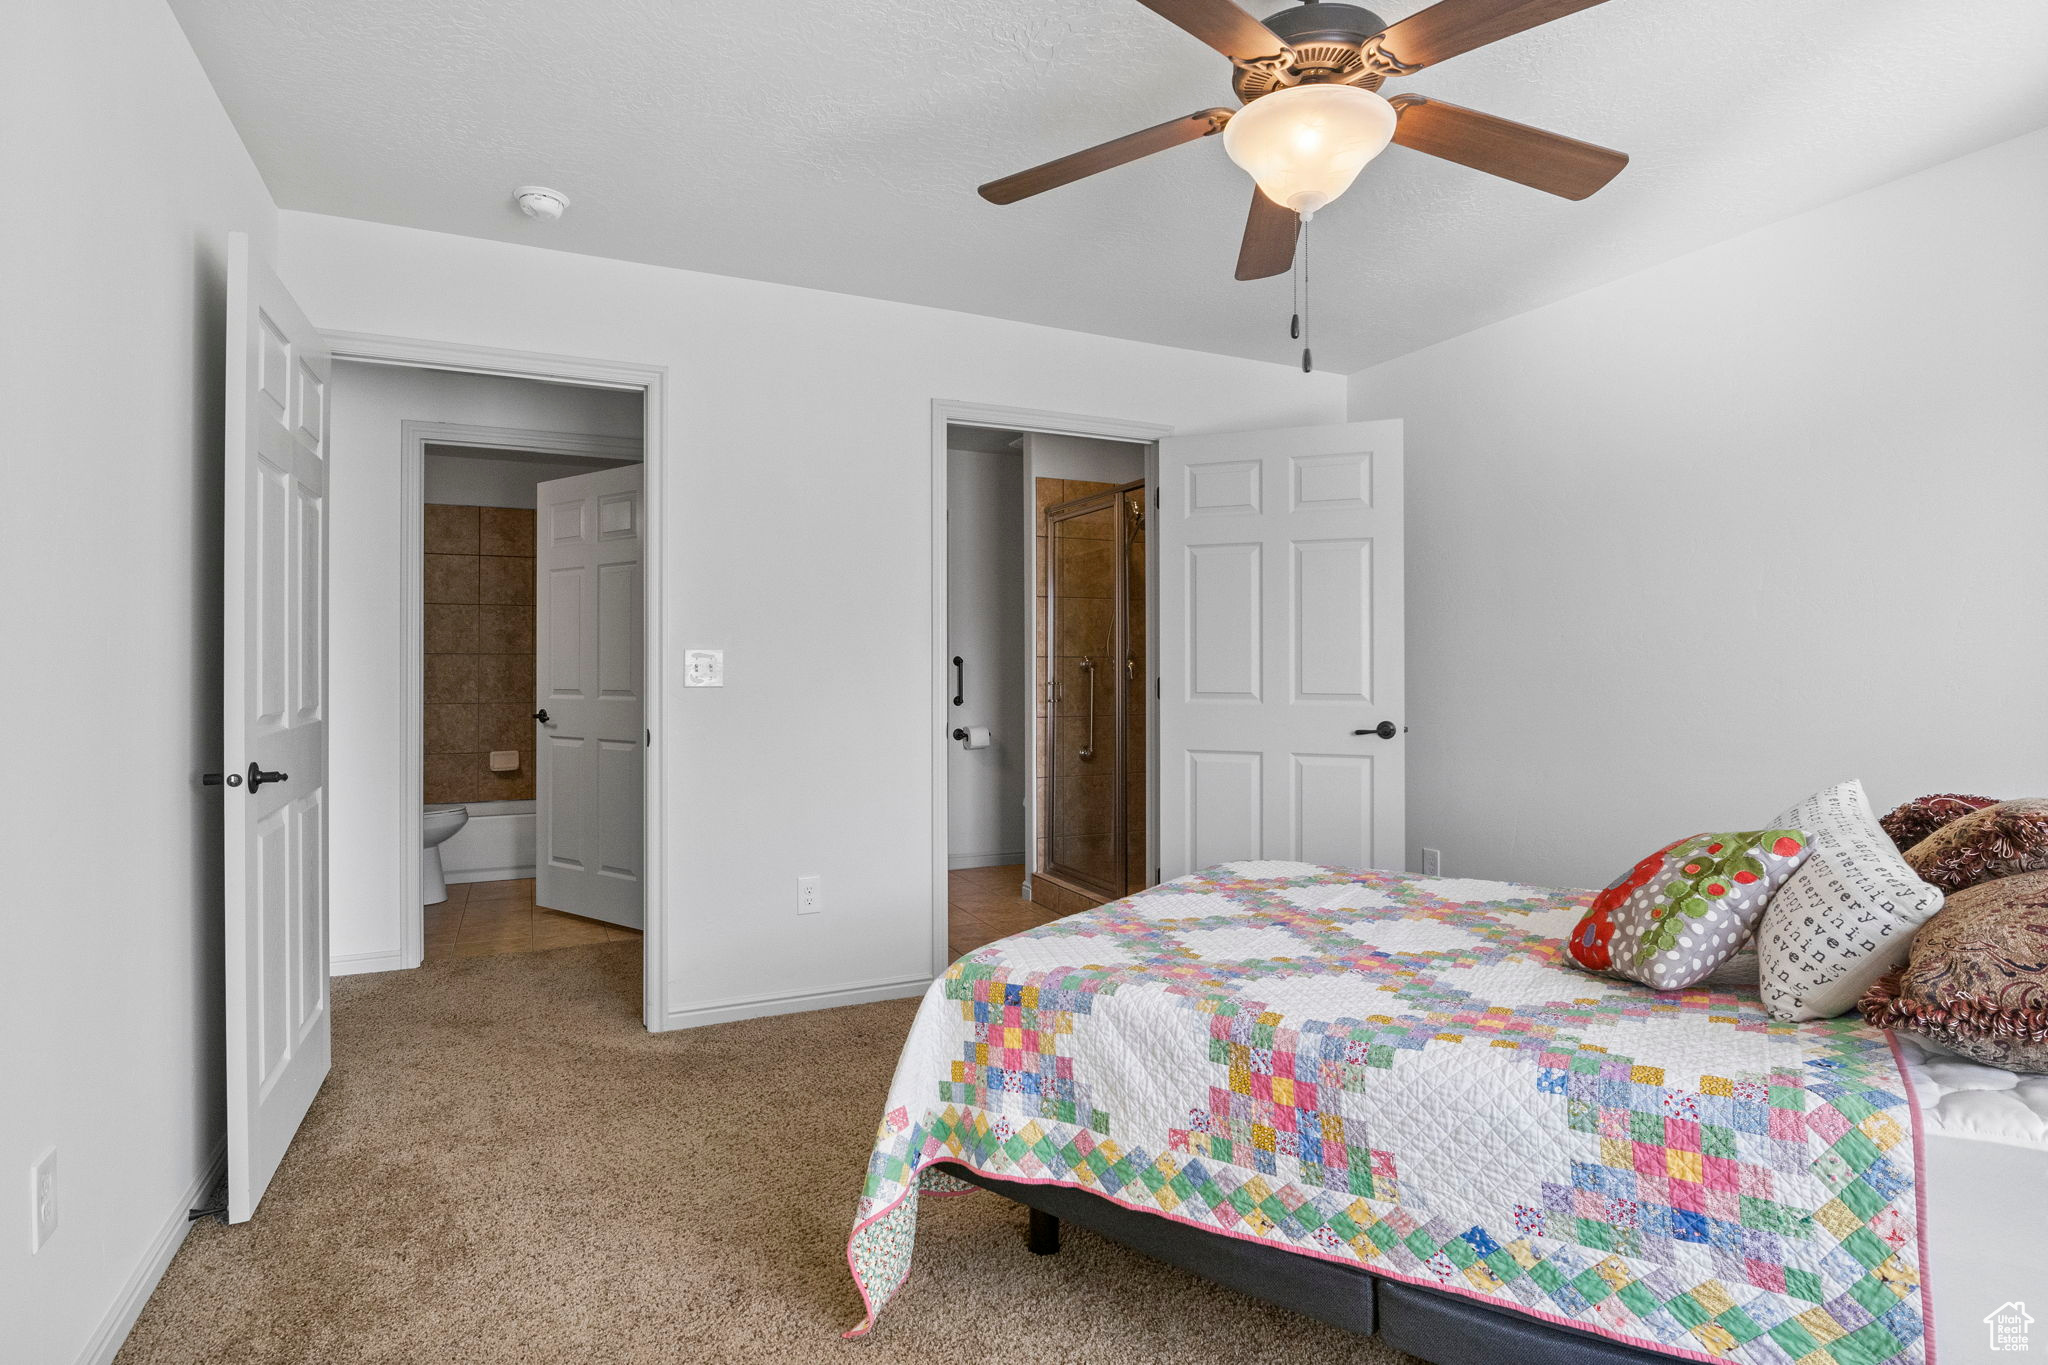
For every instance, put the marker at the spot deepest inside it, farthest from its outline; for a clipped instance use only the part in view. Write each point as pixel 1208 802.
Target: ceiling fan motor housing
pixel 1326 39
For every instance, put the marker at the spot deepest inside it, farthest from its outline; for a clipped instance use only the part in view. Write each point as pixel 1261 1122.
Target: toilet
pixel 438 823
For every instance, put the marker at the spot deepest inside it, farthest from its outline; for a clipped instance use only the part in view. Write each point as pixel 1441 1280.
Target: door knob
pixel 257 777
pixel 541 715
pixel 1386 729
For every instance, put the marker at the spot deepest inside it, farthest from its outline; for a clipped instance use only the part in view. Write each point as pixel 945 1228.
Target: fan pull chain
pixel 1294 279
pixel 1301 296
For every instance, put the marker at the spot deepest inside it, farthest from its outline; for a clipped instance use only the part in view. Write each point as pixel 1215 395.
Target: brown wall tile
pixel 512 786
pixel 450 778
pixel 504 725
pixel 1086 626
pixel 504 630
pixel 505 677
pixel 504 579
pixel 450 728
pixel 505 531
pixel 451 677
pixel 451 530
pixel 451 578
pixel 450 629
pixel 1084 568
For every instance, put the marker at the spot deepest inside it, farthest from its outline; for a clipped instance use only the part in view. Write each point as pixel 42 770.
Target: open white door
pixel 274 735
pixel 587 674
pixel 1280 647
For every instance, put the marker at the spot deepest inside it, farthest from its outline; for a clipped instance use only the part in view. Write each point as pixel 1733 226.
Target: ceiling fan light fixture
pixel 1304 145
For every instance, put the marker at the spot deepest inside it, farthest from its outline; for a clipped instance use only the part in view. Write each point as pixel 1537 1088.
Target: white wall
pixel 987 583
pixel 1687 547
pixel 476 480
pixel 799 540
pixel 126 178
pixel 368 782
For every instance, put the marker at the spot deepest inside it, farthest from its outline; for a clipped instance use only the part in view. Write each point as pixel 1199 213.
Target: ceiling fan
pixel 1308 78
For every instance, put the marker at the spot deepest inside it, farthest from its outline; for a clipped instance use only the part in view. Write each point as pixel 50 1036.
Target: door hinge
pixel 650 737
pixel 1157 692
pixel 1155 499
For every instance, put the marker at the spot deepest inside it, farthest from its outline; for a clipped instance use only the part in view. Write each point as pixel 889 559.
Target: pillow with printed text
pixel 1846 917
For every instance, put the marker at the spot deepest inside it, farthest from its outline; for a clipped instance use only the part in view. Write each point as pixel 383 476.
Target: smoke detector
pixel 538 201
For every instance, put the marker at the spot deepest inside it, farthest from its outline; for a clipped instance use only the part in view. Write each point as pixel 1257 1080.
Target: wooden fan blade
pixel 1269 235
pixel 1450 27
pixel 1082 164
pixel 1513 151
pixel 1222 25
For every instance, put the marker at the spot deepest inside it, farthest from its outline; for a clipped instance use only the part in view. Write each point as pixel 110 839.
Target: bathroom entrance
pixel 513 584
pixel 1046 729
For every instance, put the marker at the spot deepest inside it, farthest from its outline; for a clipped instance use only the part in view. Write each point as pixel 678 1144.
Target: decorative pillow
pixel 1977 981
pixel 1846 917
pixel 1997 841
pixel 1923 815
pixel 1674 917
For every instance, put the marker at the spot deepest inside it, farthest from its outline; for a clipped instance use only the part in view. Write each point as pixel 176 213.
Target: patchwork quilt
pixel 1406 1074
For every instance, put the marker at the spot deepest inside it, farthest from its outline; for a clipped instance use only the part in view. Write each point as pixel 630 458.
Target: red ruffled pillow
pixel 1923 815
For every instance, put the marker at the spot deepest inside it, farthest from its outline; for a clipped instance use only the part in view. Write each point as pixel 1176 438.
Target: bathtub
pixel 496 845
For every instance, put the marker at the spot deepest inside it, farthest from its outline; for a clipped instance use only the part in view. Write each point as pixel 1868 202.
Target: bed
pixel 1389 1102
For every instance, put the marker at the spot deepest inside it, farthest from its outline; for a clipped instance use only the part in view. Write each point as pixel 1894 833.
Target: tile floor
pixel 983 905
pixel 480 919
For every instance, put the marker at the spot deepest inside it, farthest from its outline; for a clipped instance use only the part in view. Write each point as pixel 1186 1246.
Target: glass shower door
pixel 1083 724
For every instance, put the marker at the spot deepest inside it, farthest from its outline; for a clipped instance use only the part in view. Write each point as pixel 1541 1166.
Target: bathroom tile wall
pixel 1083 618
pixel 479 651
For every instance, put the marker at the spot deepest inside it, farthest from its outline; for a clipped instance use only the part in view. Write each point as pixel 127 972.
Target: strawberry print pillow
pixel 1674 917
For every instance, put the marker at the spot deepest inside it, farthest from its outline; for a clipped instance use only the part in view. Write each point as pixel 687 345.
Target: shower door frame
pixel 1122 686
pixel 945 413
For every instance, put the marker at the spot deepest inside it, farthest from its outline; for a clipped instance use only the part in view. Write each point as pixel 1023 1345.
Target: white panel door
pixel 1279 624
pixel 274 732
pixel 590 747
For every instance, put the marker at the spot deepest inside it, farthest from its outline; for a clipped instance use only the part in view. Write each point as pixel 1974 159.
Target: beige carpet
pixel 505 1167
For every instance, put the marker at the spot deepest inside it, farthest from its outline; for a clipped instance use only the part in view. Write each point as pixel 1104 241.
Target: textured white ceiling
pixel 837 145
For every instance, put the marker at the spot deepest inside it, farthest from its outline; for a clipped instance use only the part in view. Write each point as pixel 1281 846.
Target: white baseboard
pixel 142 1281
pixel 957 861
pixel 355 963
pixel 489 874
pixel 761 1006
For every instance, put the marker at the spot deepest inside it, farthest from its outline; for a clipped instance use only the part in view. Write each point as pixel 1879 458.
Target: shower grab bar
pixel 1088 752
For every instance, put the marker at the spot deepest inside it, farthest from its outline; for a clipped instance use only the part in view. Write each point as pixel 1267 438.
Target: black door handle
pixel 541 715
pixel 1386 729
pixel 215 779
pixel 257 777
pixel 959 681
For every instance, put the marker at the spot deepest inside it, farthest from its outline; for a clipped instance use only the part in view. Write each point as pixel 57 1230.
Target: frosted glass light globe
pixel 1307 143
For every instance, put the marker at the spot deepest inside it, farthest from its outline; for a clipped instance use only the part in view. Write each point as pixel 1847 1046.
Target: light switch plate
pixel 703 668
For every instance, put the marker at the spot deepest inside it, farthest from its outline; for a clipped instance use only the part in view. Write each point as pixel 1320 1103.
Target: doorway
pixel 511 813
pixel 491 757
pixel 1027 580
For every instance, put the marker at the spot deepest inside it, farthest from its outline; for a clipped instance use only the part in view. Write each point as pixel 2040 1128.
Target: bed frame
pixel 1446 1329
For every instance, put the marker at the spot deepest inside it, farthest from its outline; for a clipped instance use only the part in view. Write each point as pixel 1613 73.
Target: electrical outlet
pixel 1432 862
pixel 810 896
pixel 42 1181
